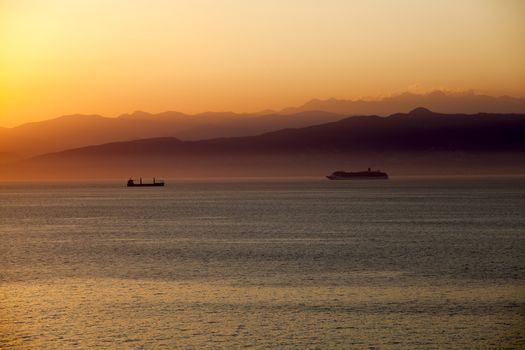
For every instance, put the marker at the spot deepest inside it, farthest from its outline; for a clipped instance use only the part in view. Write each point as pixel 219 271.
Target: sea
pixel 407 263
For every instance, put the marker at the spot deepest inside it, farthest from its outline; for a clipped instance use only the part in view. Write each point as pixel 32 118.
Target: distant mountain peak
pixel 438 93
pixel 136 115
pixel 420 111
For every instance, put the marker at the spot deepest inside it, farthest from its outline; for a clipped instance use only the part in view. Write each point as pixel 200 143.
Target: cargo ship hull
pixel 146 185
pixel 132 183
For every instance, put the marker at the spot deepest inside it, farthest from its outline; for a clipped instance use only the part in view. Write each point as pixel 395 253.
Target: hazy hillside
pixel 81 130
pixel 420 142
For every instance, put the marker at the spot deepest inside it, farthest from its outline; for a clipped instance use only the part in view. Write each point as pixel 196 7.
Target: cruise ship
pixel 359 175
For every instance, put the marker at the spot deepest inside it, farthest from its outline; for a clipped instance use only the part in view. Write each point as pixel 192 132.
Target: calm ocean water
pixel 398 264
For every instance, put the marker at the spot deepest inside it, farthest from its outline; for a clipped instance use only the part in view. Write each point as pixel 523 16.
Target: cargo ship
pixel 359 175
pixel 131 183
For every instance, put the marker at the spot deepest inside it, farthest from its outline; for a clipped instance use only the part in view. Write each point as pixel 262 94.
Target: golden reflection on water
pixel 120 313
pixel 428 264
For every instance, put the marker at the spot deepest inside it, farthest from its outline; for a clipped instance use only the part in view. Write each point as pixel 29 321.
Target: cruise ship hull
pixel 358 175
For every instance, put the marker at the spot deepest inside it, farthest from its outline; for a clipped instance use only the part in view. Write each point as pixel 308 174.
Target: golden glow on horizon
pixel 111 57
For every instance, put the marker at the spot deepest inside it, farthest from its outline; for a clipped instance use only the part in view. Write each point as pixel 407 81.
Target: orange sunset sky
pixel 115 56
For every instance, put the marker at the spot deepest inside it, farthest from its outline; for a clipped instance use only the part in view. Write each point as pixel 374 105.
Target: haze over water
pixel 404 263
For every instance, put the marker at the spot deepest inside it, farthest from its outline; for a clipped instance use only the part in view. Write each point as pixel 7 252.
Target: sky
pixel 111 57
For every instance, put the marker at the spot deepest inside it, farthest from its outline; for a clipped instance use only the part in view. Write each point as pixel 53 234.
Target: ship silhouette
pixel 359 175
pixel 131 183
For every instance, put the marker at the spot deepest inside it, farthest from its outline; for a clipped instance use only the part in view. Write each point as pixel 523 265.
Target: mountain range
pixel 419 142
pixel 439 101
pixel 81 130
